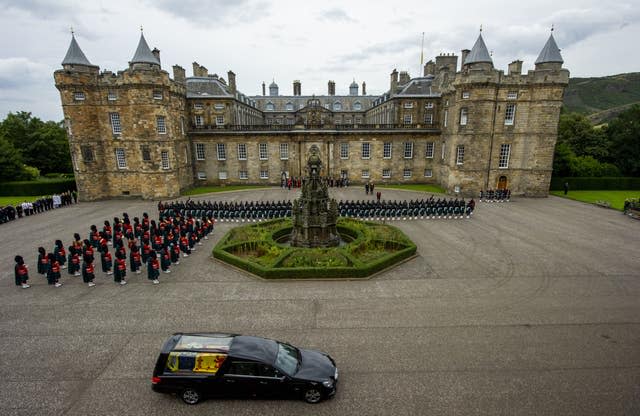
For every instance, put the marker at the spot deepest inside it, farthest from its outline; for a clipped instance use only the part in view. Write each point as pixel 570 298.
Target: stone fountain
pixel 314 215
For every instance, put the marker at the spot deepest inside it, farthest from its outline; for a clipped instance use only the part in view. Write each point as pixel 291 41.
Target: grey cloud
pixel 206 12
pixel 336 15
pixel 16 72
pixel 39 8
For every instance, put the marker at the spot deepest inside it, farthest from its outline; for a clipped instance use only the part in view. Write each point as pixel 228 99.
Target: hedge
pixel 596 184
pixel 223 251
pixel 37 188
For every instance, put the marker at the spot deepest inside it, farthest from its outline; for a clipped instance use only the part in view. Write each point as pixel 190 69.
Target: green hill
pixel 602 98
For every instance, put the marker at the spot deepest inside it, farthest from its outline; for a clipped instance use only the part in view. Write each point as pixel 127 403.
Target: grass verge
pixel 209 189
pixel 419 187
pixel 614 198
pixel 14 200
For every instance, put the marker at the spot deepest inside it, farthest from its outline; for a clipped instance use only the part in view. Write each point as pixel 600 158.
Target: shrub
pixel 33 188
pixel 596 184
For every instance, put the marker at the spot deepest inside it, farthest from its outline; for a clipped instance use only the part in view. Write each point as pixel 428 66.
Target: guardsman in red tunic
pixel 165 260
pixel 60 253
pixel 88 274
pixel 94 237
pixel 43 261
pixel 157 242
pixel 134 259
pixel 22 273
pixel 153 268
pixel 87 251
pixel 74 261
pixel 175 253
pixel 107 262
pixel 120 271
pixel 53 276
pixel 108 232
pixel 184 245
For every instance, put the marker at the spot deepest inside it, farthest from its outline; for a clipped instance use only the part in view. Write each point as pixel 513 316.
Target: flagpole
pixel 421 55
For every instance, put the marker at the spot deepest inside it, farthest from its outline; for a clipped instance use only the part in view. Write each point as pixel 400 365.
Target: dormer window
pixel 78 96
pixel 357 106
pixel 270 107
pixel 157 94
pixel 289 106
pixel 337 106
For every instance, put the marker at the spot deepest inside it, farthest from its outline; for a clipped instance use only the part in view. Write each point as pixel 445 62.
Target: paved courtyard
pixel 529 308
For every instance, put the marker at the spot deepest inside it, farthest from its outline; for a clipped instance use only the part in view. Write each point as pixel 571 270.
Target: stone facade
pixel 141 133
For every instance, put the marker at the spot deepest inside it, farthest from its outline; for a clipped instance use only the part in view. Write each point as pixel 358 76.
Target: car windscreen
pixel 287 358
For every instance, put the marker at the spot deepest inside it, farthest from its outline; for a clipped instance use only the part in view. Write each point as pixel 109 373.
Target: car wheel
pixel 190 396
pixel 312 395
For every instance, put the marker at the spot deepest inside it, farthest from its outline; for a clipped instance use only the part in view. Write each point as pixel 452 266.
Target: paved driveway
pixel 529 308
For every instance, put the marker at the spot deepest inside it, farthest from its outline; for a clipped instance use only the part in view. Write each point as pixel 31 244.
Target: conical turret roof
pixel 550 52
pixel 143 53
pixel 479 53
pixel 74 55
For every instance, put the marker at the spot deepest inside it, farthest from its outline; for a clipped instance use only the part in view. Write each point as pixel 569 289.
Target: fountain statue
pixel 314 215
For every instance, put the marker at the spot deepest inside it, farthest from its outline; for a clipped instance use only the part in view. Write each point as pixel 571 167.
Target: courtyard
pixel 528 308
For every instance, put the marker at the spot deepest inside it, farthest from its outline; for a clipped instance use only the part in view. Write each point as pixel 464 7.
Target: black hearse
pixel 196 366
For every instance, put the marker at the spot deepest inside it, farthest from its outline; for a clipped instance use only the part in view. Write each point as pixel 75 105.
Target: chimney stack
pixel 364 88
pixel 297 87
pixel 515 68
pixel 264 89
pixel 179 74
pixel 231 76
pixel 404 77
pixel 394 82
pixel 199 70
pixel 332 88
pixel 464 54
pixel 429 68
pixel 156 53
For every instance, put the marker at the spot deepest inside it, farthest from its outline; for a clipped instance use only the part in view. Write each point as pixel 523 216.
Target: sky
pixel 282 40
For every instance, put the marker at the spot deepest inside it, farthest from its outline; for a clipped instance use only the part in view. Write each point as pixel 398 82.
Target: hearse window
pixel 243 368
pixel 197 362
pixel 268 371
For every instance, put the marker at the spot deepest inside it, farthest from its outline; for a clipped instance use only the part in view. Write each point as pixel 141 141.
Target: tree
pixel 42 145
pixel 624 135
pixel 584 140
pixel 11 166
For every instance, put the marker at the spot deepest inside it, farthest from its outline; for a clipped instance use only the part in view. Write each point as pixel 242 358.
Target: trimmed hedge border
pixel 596 184
pixel 37 188
pixel 359 269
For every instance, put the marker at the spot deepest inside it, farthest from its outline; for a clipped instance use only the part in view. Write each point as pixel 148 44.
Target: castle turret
pixel 144 58
pixel 75 59
pixel 549 57
pixel 479 56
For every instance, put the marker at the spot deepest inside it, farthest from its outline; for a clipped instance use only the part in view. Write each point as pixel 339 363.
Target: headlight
pixel 328 383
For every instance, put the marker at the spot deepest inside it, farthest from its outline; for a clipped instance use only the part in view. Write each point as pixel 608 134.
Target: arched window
pixel 337 106
pixel 270 106
pixel 289 106
pixel 357 106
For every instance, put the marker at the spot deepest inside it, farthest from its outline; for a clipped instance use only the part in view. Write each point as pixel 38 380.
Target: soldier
pixel 184 244
pixel 88 274
pixel 175 253
pixel 134 259
pixel 165 260
pixel 87 251
pixel 153 267
pixel 106 262
pixel 21 272
pixel 43 261
pixel 60 253
pixel 74 261
pixel 120 271
pixel 53 274
pixel 108 233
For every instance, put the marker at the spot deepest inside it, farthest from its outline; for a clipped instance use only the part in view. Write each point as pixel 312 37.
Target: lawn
pixel 209 189
pixel 420 187
pixel 614 198
pixel 14 200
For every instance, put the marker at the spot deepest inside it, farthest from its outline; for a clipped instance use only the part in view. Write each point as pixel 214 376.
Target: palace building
pixel 142 132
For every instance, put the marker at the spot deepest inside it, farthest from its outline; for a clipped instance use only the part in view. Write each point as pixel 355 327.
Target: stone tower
pixel 127 131
pixel 314 215
pixel 500 129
